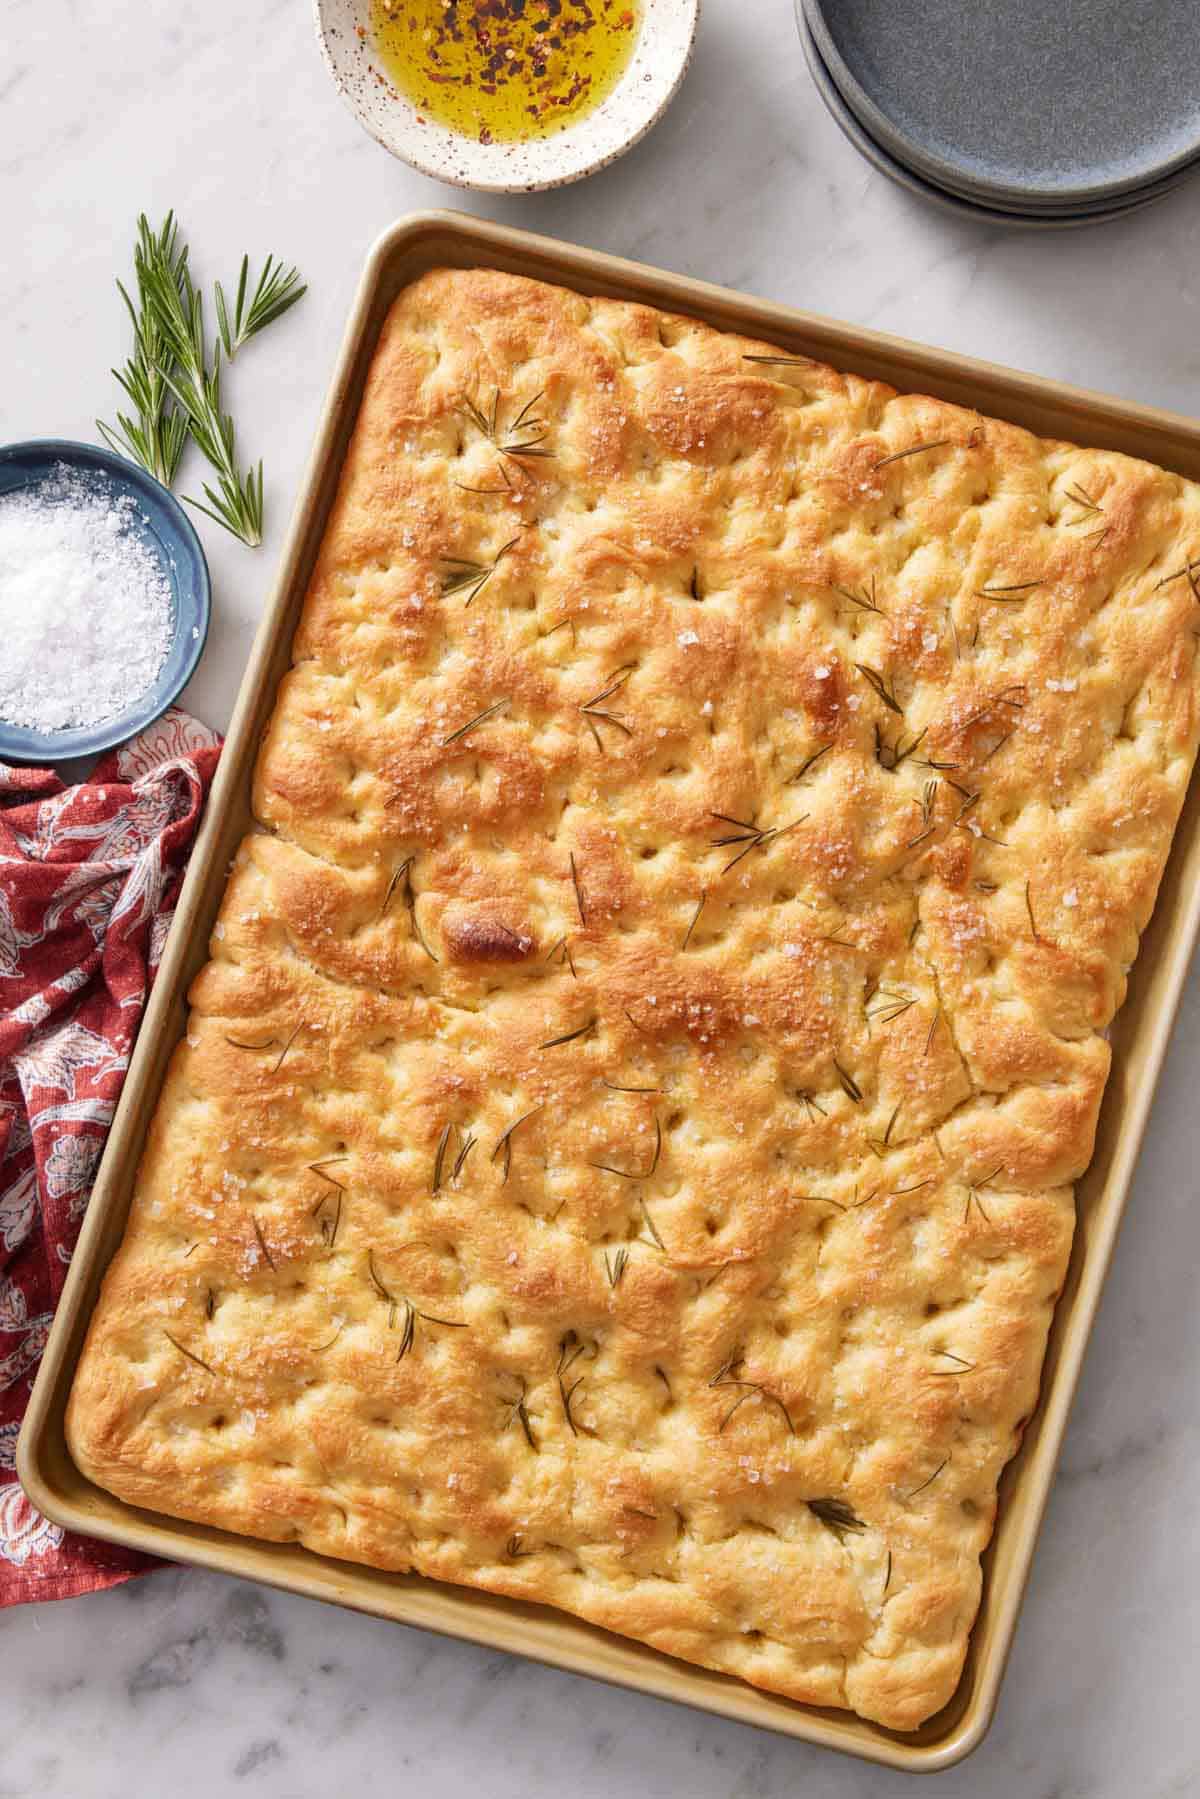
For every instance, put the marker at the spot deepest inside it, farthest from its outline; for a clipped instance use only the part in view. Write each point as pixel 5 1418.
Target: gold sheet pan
pixel 1139 1035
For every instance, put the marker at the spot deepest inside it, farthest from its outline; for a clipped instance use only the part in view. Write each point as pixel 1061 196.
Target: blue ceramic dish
pixel 166 529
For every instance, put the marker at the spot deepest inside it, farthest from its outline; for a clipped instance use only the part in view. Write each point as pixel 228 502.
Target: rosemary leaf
pixel 570 1036
pixel 930 1481
pixel 878 681
pixel 939 443
pixel 504 1144
pixel 199 1361
pixel 836 1516
pixel 277 290
pixel 615 1266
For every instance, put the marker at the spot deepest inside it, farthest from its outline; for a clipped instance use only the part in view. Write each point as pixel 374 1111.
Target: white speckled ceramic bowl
pixel 659 63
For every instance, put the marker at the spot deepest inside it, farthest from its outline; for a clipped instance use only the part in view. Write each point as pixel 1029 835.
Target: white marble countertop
pixel 192 1684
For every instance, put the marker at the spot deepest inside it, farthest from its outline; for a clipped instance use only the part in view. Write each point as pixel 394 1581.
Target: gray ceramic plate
pixel 956 184
pixel 1065 102
pixel 953 183
pixel 925 190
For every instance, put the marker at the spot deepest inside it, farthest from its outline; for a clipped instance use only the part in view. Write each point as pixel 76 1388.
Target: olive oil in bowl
pixel 505 71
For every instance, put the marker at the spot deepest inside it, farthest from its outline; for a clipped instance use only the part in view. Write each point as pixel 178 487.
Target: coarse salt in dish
pixel 86 610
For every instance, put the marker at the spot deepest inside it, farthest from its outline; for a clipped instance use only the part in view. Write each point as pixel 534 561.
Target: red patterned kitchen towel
pixel 89 877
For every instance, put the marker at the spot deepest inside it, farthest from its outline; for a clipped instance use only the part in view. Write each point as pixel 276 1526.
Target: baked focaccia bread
pixel 622 1151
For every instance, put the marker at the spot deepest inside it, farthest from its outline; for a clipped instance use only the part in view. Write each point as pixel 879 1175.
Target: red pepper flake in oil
pixel 504 70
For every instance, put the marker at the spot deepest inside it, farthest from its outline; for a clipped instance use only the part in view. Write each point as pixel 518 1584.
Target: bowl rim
pixel 486 182
pixel 20 743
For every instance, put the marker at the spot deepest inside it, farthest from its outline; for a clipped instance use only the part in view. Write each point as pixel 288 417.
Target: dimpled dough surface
pixel 621 1154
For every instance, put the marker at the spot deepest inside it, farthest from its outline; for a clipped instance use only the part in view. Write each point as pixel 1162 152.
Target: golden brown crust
pixel 622 1151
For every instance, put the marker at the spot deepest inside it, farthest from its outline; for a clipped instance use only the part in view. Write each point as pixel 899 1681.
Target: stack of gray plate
pixel 1039 113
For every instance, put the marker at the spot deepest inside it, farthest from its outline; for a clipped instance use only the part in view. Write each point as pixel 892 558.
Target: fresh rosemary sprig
pixel 156 436
pixel 178 309
pixel 276 292
pixel 175 393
